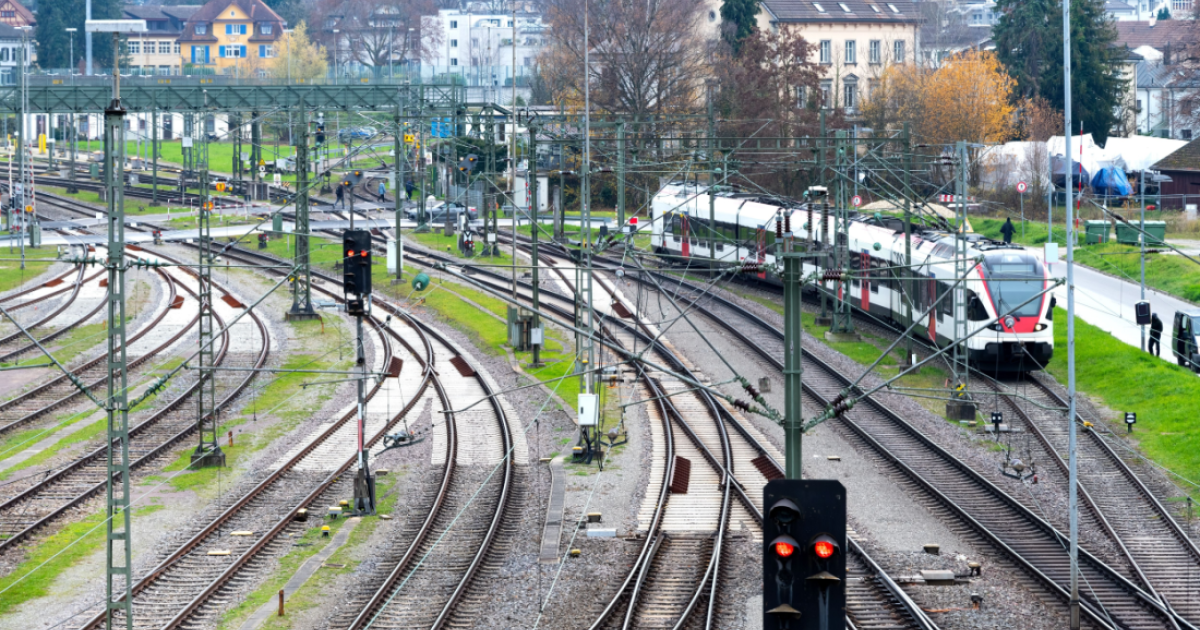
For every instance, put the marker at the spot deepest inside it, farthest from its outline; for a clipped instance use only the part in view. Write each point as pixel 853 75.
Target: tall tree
pixel 298 56
pixel 1029 43
pixel 968 98
pixel 646 56
pixel 738 17
pixel 52 40
pixel 377 29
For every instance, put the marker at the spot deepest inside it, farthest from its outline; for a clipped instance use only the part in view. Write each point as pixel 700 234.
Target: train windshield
pixel 1013 278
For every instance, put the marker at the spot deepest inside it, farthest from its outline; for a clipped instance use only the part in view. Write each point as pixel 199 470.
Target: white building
pixel 11 41
pixel 479 48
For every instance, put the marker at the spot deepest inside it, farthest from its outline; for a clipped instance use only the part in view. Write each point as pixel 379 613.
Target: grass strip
pixel 1122 378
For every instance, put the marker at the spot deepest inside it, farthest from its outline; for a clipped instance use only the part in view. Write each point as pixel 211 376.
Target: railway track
pixel 21 411
pixel 1110 599
pixel 434 580
pixel 16 343
pixel 55 496
pixel 667 560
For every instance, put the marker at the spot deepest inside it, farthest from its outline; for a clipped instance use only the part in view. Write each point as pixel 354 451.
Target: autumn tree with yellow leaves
pixel 970 97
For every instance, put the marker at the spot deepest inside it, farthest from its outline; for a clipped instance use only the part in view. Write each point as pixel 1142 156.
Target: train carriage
pixel 1007 280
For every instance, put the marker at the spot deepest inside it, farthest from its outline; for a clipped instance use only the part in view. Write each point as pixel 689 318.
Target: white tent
pixel 1141 152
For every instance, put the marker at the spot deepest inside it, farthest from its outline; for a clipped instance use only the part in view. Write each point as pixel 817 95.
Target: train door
pixel 761 251
pixel 931 291
pixel 865 265
pixel 687 250
pixel 168 127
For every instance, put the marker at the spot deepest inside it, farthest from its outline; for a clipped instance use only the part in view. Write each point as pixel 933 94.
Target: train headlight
pixel 1010 321
pixel 1041 327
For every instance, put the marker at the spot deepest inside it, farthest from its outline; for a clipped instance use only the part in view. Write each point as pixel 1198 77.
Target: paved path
pixel 552 532
pixel 306 570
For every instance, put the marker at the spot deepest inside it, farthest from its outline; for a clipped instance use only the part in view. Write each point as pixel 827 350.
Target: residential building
pixel 230 37
pixel 1162 89
pixel 14 13
pixel 157 51
pixel 1161 35
pixel 1183 167
pixel 854 40
pixel 479 47
pixel 11 40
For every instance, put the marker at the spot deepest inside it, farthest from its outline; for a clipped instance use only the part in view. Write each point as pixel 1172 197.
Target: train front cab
pixel 1023 339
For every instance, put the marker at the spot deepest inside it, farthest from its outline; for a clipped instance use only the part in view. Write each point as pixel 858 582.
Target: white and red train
pixel 1003 283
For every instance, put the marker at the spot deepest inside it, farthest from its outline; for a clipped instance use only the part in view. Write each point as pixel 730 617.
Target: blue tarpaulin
pixel 1111 181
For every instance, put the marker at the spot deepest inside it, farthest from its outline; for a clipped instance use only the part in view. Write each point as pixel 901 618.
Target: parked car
pixel 346 134
pixel 437 212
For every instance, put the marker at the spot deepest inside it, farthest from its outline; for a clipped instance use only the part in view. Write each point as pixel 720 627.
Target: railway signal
pixel 356 269
pixel 804 560
pixel 468 164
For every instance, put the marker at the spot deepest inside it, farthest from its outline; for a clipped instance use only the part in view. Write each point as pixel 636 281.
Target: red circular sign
pixel 856 201
pixel 1021 187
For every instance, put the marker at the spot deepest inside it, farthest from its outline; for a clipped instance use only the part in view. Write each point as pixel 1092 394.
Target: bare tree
pixel 647 56
pixel 379 31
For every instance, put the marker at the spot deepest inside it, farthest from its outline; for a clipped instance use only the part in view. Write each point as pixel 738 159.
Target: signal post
pixel 356 285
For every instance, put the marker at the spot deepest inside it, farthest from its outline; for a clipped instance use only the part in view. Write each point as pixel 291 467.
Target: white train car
pixel 1006 282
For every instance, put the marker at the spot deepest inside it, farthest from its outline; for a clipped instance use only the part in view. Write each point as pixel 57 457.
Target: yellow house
pixel 231 36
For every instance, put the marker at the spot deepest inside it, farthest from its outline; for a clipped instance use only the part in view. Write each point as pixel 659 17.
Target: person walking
pixel 1007 230
pixel 341 196
pixel 382 190
pixel 1155 335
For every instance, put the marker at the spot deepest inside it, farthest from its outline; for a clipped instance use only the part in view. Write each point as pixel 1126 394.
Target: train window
pixel 676 227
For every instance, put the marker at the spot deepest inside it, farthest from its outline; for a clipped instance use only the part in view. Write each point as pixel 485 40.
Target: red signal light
pixel 824 549
pixel 350 254
pixel 363 253
pixel 632 220
pixel 784 549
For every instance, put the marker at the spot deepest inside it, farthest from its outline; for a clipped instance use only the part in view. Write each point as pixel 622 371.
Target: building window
pixel 235 29
pixel 527 62
pixel 510 24
pixel 454 43
pixel 454 61
pixel 1185 134
pixel 233 50
pixel 820 9
pixel 453 23
pixel 164 47
pixel 851 56
pixel 176 48
pixel 850 95
pixel 826 91
pixel 266 51
pixel 201 29
pixel 1179 7
pixel 266 29
pixel 898 51
pixel 876 47
pixel 800 94
pixel 135 47
pixel 164 70
pixel 8 14
pixel 826 51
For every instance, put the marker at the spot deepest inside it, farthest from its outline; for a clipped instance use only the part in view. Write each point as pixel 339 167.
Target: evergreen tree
pixel 1029 43
pixel 739 23
pixel 52 39
pixel 1164 13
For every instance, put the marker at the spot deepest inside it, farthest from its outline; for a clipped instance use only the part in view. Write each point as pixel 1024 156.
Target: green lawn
pixel 11 274
pixel 27 581
pixel 1166 396
pixel 1168 273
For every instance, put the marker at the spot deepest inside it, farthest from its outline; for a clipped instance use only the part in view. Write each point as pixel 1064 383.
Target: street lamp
pixel 335 57
pixel 288 45
pixel 71 63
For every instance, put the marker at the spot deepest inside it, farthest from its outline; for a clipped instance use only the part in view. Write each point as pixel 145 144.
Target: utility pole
pixel 302 307
pixel 959 407
pixel 793 369
pixel 1142 241
pixel 255 151
pixel 907 283
pixel 401 151
pixel 712 184
pixel 208 450
pixel 119 532
pixel 154 153
pixel 620 174
pixel 531 174
pixel 843 323
pixel 823 318
pixel 1072 460
pixel 22 146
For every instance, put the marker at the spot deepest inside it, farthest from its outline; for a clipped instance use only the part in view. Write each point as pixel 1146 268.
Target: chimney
pixel 1167 54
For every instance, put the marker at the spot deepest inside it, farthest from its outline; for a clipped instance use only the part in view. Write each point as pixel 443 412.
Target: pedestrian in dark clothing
pixel 1007 230
pixel 341 194
pixel 1155 335
pixel 382 190
pixel 409 187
